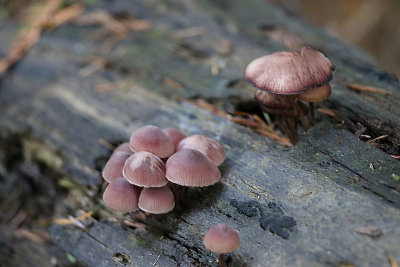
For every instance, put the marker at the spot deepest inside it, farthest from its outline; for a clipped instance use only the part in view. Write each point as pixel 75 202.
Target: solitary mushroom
pixel 291 74
pixel 145 169
pixel 189 167
pixel 152 139
pixel 156 200
pixel 121 195
pixel 221 239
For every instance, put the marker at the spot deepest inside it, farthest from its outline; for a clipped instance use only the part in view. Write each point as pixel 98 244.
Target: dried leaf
pixel 368 89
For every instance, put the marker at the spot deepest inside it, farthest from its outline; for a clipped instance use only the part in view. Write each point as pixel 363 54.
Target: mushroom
pixel 114 165
pixel 152 139
pixel 189 167
pixel 209 147
pixel 121 195
pixel 145 169
pixel 221 239
pixel 291 74
pixel 174 134
pixel 317 94
pixel 156 200
pixel 280 105
pixel 124 147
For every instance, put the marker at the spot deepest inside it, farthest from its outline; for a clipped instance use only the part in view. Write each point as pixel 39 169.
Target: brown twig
pixel 329 112
pixel 368 89
pixel 28 38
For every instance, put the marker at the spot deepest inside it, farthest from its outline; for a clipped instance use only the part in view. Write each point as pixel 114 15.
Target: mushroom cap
pixel 124 147
pixel 290 73
pixel 152 139
pixel 114 165
pixel 316 94
pixel 222 238
pixel 174 134
pixel 145 169
pixel 209 147
pixel 157 200
pixel 121 195
pixel 189 167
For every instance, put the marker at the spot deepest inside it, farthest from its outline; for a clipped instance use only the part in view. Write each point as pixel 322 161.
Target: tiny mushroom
pixel 174 134
pixel 121 195
pixel 222 238
pixel 157 200
pixel 113 167
pixel 189 167
pixel 145 169
pixel 209 147
pixel 152 139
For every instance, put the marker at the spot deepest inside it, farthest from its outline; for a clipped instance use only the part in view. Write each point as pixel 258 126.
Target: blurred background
pixel 372 25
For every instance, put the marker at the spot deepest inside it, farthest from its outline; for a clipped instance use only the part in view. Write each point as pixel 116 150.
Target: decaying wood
pixel 293 206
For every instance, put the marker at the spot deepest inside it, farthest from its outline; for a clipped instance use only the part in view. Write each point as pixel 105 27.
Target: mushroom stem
pixel 221 260
pixel 296 106
pixel 311 105
pixel 290 127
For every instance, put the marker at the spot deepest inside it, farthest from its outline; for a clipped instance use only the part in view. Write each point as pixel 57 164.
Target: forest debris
pixel 368 89
pixel 391 260
pixel 340 124
pixel 64 15
pixel 189 32
pixel 92 67
pixel 328 111
pixel 172 83
pixel 105 143
pixel 395 156
pixel 28 38
pixel 279 139
pixel 246 119
pixel 73 220
pixel 373 141
pixel 37 236
pixel 201 103
pixel 119 28
pixel 134 224
pixel 372 231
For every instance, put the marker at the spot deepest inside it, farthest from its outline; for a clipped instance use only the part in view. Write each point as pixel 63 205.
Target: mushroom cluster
pixel 284 79
pixel 141 172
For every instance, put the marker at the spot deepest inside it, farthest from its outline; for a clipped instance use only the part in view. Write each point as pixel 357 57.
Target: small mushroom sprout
pixel 139 178
pixel 222 238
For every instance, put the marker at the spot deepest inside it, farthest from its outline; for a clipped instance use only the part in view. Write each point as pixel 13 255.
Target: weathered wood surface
pixel 325 183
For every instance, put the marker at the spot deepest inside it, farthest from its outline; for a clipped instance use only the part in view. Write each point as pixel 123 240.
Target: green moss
pixel 395 177
pixel 35 151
